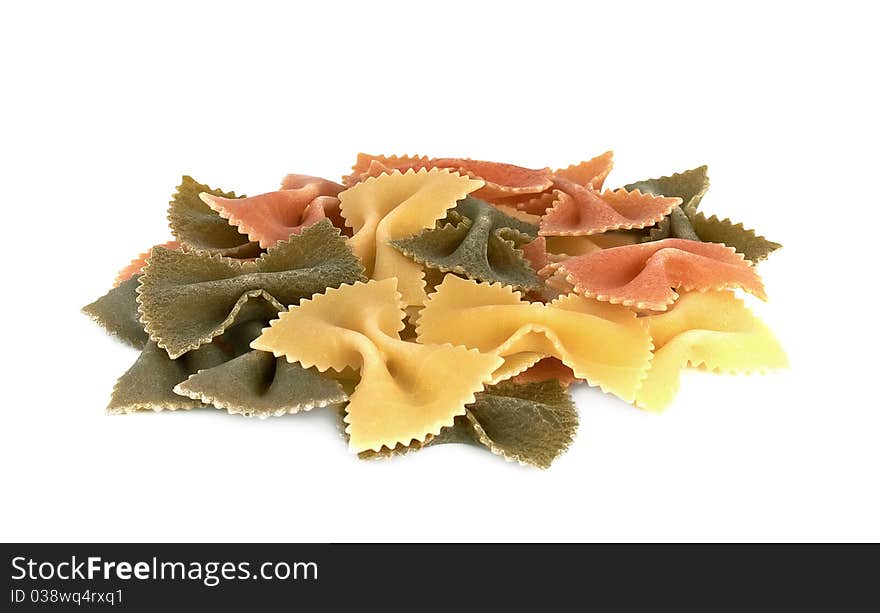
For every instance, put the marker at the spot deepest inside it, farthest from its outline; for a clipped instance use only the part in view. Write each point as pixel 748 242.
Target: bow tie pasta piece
pixel 582 211
pixel 547 250
pixel 186 299
pixel 407 391
pixel 500 180
pixel 603 344
pixel 117 312
pixel 258 384
pixel 331 208
pixel 745 241
pixel 136 266
pixel 642 275
pixel 273 217
pixel 591 173
pixel 395 206
pixel 698 227
pixel 531 424
pixel 195 226
pixel 449 434
pixel 225 374
pixel 690 186
pixel 688 223
pixel 478 241
pixel 148 384
pixel 710 329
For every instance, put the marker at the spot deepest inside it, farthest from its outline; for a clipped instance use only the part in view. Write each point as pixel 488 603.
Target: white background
pixel 104 106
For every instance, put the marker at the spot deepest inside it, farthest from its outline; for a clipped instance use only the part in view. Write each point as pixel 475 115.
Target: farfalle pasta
pixel 208 291
pixel 437 300
pixel 256 383
pixel 272 217
pixel 713 330
pixel 269 218
pixel 395 206
pixel 331 207
pixel 691 224
pixel 148 384
pixel 603 344
pixel 225 374
pixel 117 312
pixel 406 390
pixel 690 186
pixel 744 240
pixel 478 241
pixel 590 173
pixel 197 227
pixel 582 211
pixel 643 275
pixel 530 423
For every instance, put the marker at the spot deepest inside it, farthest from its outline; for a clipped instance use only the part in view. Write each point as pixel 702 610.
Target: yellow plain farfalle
pixel 395 206
pixel 602 343
pixel 711 329
pixel 407 391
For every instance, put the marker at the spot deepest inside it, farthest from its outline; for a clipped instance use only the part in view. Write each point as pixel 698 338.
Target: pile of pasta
pixel 438 300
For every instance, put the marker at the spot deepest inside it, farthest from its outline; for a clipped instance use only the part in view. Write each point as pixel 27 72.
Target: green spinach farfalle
pixel 688 223
pixel 478 241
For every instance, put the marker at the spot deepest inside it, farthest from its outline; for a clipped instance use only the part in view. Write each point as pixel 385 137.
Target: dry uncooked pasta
pixel 582 211
pixel 406 391
pixel 712 330
pixel 604 344
pixel 432 300
pixel 394 206
pixel 643 275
